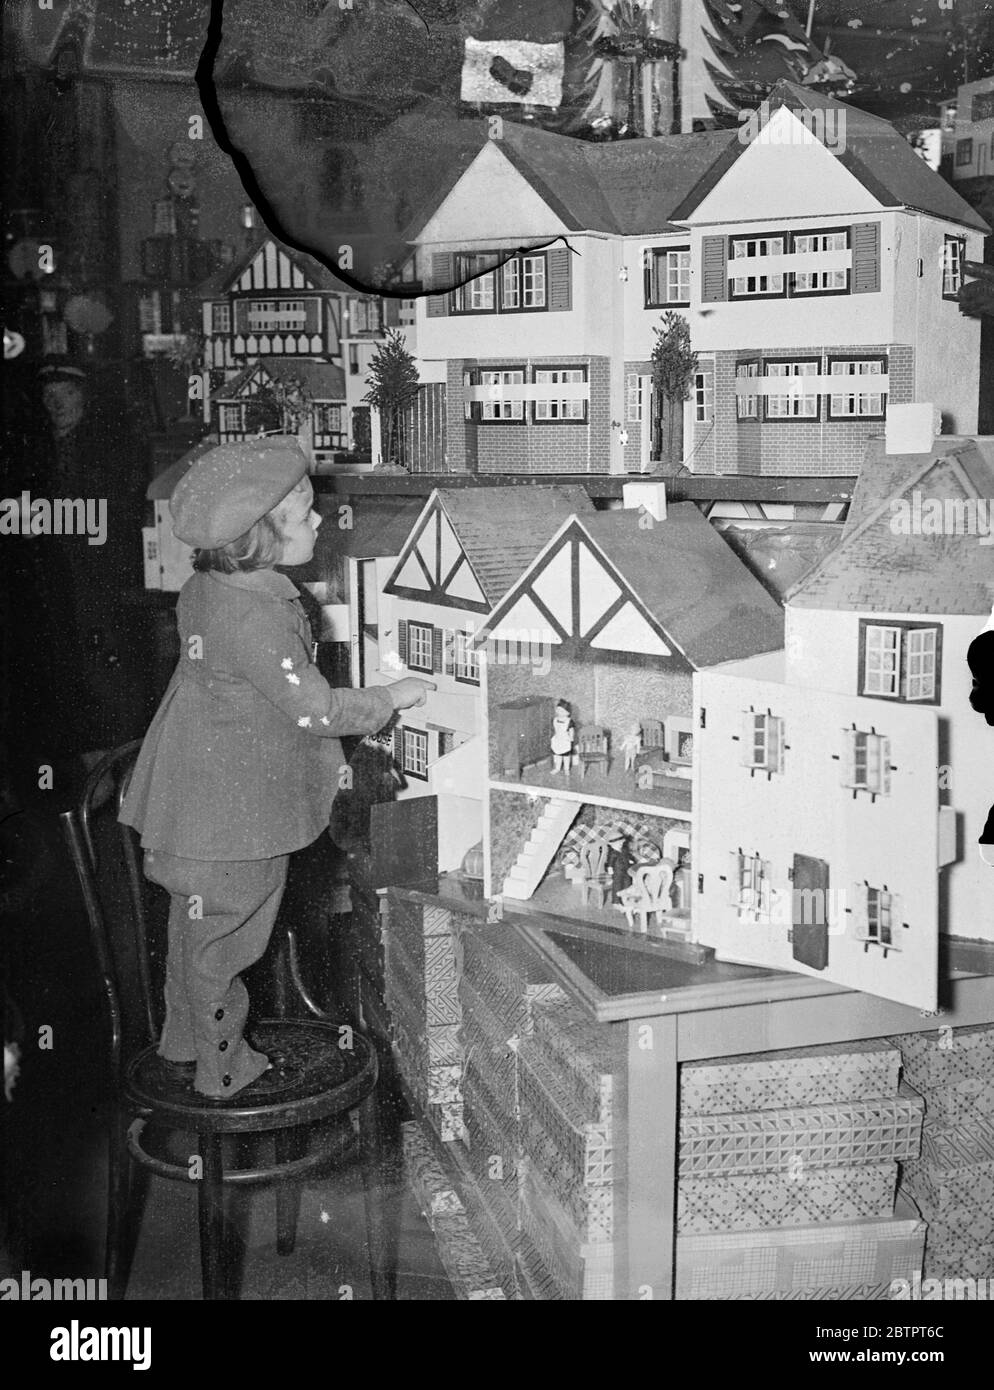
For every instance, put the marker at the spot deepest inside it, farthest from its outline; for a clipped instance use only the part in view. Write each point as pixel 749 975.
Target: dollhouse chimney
pixel 910 429
pixel 649 497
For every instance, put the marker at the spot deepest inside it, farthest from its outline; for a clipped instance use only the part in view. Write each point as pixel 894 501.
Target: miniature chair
pixel 301 1107
pixel 595 882
pixel 653 735
pixel 592 747
pixel 649 893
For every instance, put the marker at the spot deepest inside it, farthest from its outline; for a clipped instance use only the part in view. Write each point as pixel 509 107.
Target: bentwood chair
pixel 312 1107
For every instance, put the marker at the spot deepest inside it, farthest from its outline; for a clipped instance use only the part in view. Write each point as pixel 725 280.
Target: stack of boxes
pixel 787 1176
pixel 421 995
pixel 953 1180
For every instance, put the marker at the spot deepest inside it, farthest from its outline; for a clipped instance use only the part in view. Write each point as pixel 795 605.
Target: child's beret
pixel 230 488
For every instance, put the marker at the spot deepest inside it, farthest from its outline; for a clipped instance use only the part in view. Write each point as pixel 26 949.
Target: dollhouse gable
pixel 469 544
pixel 611 584
pixel 801 154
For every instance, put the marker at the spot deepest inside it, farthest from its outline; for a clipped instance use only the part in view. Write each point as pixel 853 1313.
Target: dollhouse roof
pixel 223 280
pixel 502 529
pixel 692 582
pixel 627 187
pixel 609 582
pixel 878 567
pixel 874 153
pixel 323 381
pixel 380 526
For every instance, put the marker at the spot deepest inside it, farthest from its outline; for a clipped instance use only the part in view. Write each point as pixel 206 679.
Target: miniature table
pixel 674 1011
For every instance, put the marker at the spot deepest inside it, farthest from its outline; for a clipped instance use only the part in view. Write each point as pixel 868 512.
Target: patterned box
pixel 939 1059
pixel 798 1077
pixel 762 1264
pixel 508 978
pixel 492 1047
pixel 751 1201
pixel 549 1112
pixel 584 1054
pixel 818 1136
pixel 494 1147
pixel 580 1271
pixel 953 1183
pixel 969 1100
pixel 499 1243
pixel 458 1248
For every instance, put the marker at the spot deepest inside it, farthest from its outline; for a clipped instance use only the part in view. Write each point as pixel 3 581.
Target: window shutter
pixel 312 316
pixel 449 665
pixel 748 737
pixel 734 878
pixel 437 305
pixel 714 267
pixel 398 745
pixel 885 766
pixel 859 921
pixel 866 257
pixel 436 649
pixel 848 757
pixel 560 278
pixel 241 315
pixel 402 641
pixel 391 313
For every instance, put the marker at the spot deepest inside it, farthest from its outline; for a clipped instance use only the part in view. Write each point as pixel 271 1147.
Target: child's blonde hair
pixel 260 548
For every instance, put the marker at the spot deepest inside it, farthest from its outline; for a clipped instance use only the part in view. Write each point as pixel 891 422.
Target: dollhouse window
pixel 220 318
pixel 819 281
pixel 522 283
pixel 747 407
pixel 274 315
pixel 328 419
pixel 746 285
pixel 414 752
pixel 232 419
pixel 794 403
pixel 364 316
pixel 900 661
pixel 859 400
pixel 466 658
pixel 478 295
pixel 554 410
pixel 497 406
pixel 763 742
pixel 964 152
pixel 667 276
pixel 703 397
pixel 867 760
pixel 420 646
pixel 751 885
pixel 634 399
pixel 953 255
pixel 877 917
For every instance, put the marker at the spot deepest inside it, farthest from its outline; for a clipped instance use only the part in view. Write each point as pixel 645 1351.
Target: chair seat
pixel 312 1078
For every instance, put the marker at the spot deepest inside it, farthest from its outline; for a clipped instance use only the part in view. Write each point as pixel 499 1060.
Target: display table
pixel 667 1012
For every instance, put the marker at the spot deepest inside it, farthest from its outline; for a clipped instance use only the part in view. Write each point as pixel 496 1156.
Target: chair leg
pixel 213 1243
pixel 290 1144
pixel 382 1255
pixel 117 1255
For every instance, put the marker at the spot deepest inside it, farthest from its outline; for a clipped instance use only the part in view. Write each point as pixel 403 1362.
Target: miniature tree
pixel 394 377
pixel 673 366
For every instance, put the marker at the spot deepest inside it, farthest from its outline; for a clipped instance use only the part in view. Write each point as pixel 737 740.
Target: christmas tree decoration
pixel 632 56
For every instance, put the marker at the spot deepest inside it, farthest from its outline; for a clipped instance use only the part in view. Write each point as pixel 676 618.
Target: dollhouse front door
pixel 809 912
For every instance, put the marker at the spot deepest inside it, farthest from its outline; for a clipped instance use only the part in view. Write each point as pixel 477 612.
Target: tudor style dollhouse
pixel 814 255
pixel 419 612
pixel 855 775
pixel 622 607
pixel 281 333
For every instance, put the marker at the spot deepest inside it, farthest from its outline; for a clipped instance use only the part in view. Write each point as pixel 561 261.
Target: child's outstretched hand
pixel 410 692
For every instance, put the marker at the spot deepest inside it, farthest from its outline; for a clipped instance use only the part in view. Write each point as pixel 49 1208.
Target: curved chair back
pixel 593 858
pixel 126 914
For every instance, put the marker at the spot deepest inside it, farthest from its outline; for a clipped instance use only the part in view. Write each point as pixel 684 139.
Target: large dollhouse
pixel 600 636
pixel 287 346
pixel 854 773
pixel 815 257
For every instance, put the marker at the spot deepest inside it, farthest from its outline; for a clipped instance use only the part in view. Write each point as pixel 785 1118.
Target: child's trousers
pixel 220 920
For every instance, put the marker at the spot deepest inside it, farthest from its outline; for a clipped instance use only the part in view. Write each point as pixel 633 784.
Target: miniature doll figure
pixel 241 762
pixel 631 745
pixel 620 862
pixel 563 738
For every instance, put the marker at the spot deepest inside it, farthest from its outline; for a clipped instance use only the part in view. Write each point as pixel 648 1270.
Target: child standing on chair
pixel 241 762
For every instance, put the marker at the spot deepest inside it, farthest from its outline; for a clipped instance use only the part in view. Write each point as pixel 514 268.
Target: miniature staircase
pixel 540 848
